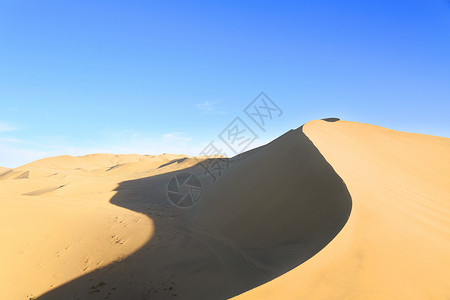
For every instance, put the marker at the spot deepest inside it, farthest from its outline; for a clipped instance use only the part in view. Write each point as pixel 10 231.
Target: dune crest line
pixel 277 207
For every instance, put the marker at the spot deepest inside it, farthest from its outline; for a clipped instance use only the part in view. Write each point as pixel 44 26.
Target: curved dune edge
pixel 275 208
pixel 396 243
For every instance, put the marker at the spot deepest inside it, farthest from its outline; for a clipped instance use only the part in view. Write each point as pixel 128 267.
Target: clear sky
pixel 148 77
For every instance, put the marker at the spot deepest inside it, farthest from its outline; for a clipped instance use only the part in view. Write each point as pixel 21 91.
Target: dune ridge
pixel 396 243
pixel 244 232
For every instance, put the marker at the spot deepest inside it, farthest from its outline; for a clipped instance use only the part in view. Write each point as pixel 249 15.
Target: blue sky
pixel 79 77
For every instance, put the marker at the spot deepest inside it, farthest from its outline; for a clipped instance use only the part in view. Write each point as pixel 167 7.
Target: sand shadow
pixel 268 212
pixel 331 120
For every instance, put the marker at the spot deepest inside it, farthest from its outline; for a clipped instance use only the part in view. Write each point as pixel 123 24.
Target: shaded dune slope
pixel 274 209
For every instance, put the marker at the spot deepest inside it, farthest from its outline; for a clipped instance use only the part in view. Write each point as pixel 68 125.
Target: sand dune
pixel 396 244
pixel 332 210
pixel 58 223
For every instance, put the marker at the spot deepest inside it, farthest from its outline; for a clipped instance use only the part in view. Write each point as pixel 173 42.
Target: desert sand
pixel 3 170
pixel 331 210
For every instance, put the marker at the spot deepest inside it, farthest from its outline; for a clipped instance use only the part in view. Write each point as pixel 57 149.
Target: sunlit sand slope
pixel 396 244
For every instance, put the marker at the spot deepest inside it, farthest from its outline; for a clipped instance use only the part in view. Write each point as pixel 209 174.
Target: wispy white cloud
pixel 11 140
pixel 5 127
pixel 13 155
pixel 210 107
pixel 174 142
pixel 176 138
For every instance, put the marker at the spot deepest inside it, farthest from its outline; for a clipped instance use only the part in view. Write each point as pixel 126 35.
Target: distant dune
pixel 3 170
pixel 332 210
